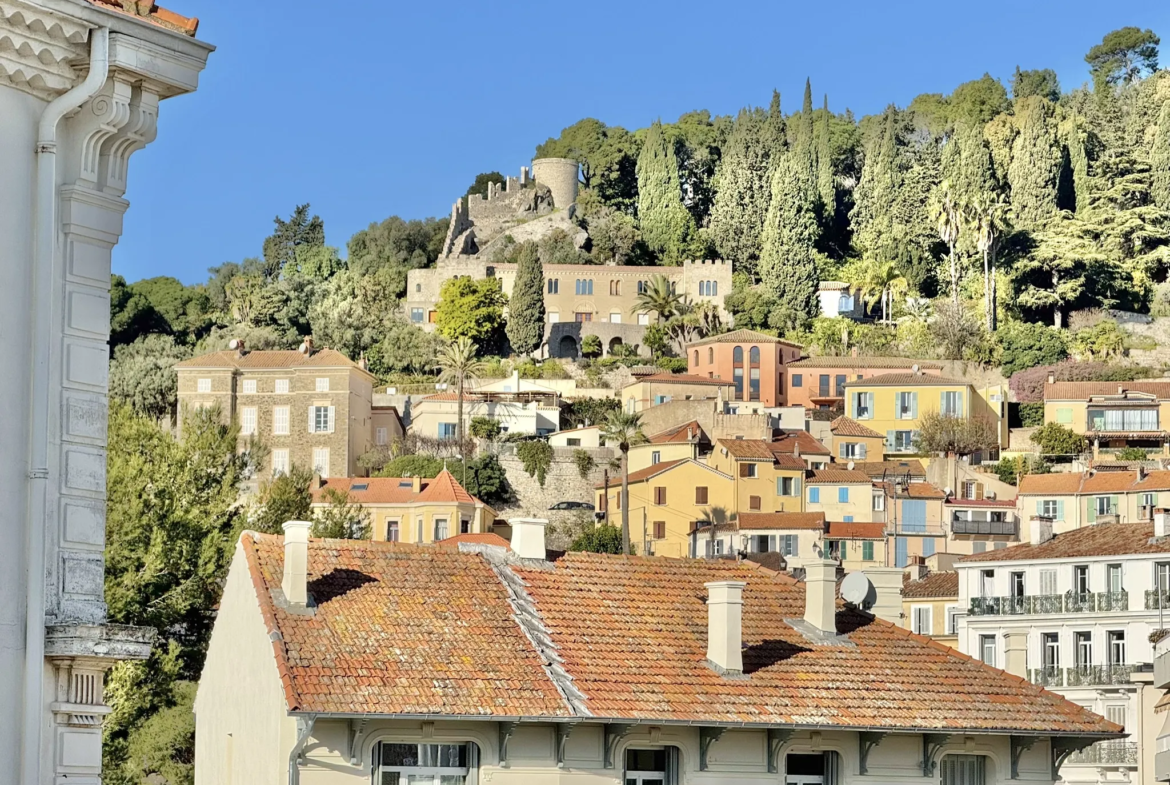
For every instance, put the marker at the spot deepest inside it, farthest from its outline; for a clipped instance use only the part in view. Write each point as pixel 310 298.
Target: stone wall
pixel 562 340
pixel 561 175
pixel 715 424
pixel 563 483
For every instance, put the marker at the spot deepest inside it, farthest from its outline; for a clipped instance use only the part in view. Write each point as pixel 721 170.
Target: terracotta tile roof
pixel 1101 539
pixel 679 433
pixel 877 469
pixel 935 584
pixel 843 426
pixel 400 629
pixel 156 15
pixel 645 474
pixel 785 460
pixel 782 520
pixel 747 449
pixel 837 477
pixel 999 503
pixel 632 632
pixel 1097 482
pixel 682 378
pixel 832 286
pixel 397 490
pixel 1082 391
pixel 851 530
pixel 406 630
pixel 486 538
pixel 744 336
pixel 1065 482
pixel 786 442
pixel 269 360
pixel 444 489
pixel 904 379
pixel 864 362
pixel 453 396
pixel 913 490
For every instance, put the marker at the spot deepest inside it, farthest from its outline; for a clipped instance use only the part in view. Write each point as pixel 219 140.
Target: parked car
pixel 572 506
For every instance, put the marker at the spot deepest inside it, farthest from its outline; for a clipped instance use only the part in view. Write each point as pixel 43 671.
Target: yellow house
pixel 841 494
pixel 797 536
pixel 857 546
pixel 895 403
pixel 1112 414
pixel 412 509
pixel 849 440
pixel 765 481
pixel 930 606
pixel 666 387
pixel 1072 500
pixel 667 501
pixel 679 443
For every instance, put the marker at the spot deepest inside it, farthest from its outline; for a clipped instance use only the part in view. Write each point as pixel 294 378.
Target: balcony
pixel 987 528
pixel 1162 662
pixel 1105 753
pixel 1113 601
pixel 1153 602
pixel 1016 606
pixel 1080 603
pixel 1097 675
pixel 1047 603
pixel 1048 676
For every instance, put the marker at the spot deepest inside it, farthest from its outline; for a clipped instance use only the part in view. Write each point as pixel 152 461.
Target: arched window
pixel 714 289
pixel 710 354
pixel 652 766
pixel 696 357
pixel 964 770
pixel 818 768
pixel 416 762
pixel 754 375
pixel 737 371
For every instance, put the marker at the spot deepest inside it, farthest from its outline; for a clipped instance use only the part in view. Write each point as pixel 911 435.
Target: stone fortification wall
pixel 561 175
pixel 563 482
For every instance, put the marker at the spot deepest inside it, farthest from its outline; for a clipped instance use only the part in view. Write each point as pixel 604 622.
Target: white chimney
pixel 820 595
pixel 528 537
pixel 296 562
pixel 725 625
pixel 1015 649
pixel 917 571
pixel 1040 530
pixel 887 586
pixel 1161 522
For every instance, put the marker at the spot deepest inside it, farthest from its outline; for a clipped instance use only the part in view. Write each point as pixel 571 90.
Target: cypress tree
pixel 775 134
pixel 805 138
pixel 667 226
pixel 825 181
pixel 743 189
pixel 787 267
pixel 1035 169
pixel 1160 160
pixel 526 310
pixel 877 191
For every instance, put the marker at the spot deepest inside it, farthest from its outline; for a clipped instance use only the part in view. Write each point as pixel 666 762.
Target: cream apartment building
pixel 310 407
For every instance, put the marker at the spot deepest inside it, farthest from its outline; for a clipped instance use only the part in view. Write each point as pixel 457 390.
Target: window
pixel 280 421
pixel 643 319
pixel 867 551
pixel 839 385
pixel 843 495
pixel 952 619
pixel 423 764
pixel 655 457
pixel 1016 584
pixel 584 287
pixel 554 286
pixel 753 502
pixel 747 470
pixel 642 286
pixel 906 406
pixel 322 384
pixel 1162 577
pixel 814 495
pixel 901 441
pixel 790 545
pixel 1083 649
pixel 392 531
pixel 987 649
pixel 247 420
pixel 754 373
pixel 1081 579
pixel 554 317
pixel 615 288
pixel 660 530
pixel 582 316
pixel 1103 505
pixel 465 527
pixel 379 436
pixel 203 386
pixel 823 385
pixel 1116 650
pixel 440 529
pixel 446 430
pixel 1050 649
pixel 712 288
pixel 416 315
pixel 879 502
pixel 1123 419
pixel 321 461
pixel 798 380
pixel 660 495
pixel 852 450
pixel 577 443
pixel 1113 578
pixel 280 462
pixel 862 406
pixel 951 404
pixel 737 371
pixel 701 494
pixel 1047 582
pixel 987 583
pixel 922 621
pixel 417 288
pixel 1049 508
pixel 787 486
pixel 282 386
pixel 651 767
pixel 321 419
pixel 964 769
pixel 845 303
pixel 249 386
pixel 847 519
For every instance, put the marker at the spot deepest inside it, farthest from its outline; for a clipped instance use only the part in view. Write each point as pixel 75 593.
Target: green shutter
pixel 913 406
pixel 1115 505
pixel 962 411
pixel 1060 509
pixel 1092 512
pixel 1039 506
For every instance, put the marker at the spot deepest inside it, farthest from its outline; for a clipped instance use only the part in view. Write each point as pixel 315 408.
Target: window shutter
pixel 841 450
pixel 978 490
pixel 890 440
pixel 772 543
pixel 332 413
pixel 1039 507
pixel 1060 510
pixel 861 450
pixel 868 405
pixel 853 405
pixel 1115 504
pixel 913 406
pixel 796 488
pixel 312 411
pixel 962 411
pixel 795 544
pixel 1091 517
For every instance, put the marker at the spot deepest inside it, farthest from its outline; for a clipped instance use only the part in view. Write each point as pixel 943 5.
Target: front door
pixel 645 767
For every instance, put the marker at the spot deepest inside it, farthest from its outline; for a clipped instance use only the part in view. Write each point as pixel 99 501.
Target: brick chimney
pixel 725 626
pixel 528 537
pixel 296 563
pixel 820 595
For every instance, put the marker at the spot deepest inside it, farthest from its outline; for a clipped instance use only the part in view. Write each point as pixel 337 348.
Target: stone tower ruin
pixel 559 175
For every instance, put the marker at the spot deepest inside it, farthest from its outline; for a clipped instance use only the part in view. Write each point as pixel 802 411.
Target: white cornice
pixel 37 48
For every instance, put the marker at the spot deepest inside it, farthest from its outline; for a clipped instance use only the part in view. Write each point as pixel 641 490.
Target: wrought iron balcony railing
pixel 1048 676
pixel 1047 603
pixel 1080 603
pixel 1095 675
pixel 1152 600
pixel 1106 753
pixel 1113 601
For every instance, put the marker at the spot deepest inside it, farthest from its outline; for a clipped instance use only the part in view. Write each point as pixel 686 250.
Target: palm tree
pixel 882 281
pixel 946 215
pixel 625 428
pixel 659 297
pixel 459 365
pixel 988 216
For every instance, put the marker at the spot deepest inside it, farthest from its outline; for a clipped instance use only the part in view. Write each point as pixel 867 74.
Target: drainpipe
pixel 44 260
pixel 304 729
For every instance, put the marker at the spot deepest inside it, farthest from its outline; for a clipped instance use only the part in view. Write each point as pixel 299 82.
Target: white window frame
pixel 203 385
pixel 249 387
pixel 322 384
pixel 247 420
pixel 281 387
pixel 1049 508
pixel 987 649
pixel 321 461
pixel 280 421
pixel 393 530
pixel 952 612
pixel 922 616
pixel 280 461
pixel 322 419
pixel 380 436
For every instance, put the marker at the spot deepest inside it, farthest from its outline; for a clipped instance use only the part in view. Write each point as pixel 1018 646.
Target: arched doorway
pixel 567 347
pixel 614 343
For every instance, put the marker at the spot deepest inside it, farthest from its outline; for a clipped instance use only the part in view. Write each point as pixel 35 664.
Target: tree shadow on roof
pixel 767 653
pixel 336 584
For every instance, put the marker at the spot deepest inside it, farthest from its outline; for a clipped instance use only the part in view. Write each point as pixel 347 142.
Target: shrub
pixel 958 435
pixel 1024 345
pixel 536 456
pixel 589 411
pixel 1031 415
pixel 1009 470
pixel 485 428
pixel 1131 454
pixel 1103 341
pixel 959 333
pixel 601 539
pixel 590 346
pixel 672 364
pixel 1056 439
pixel 1160 301
pixel 585 463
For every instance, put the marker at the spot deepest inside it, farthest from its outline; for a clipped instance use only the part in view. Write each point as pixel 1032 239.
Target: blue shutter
pixel 853 405
pixel 848 519
pixel 1039 506
pixel 796 488
pixel 901 553
pixel 814 495
pixel 861 450
pixel 913 515
pixel 843 494
pixel 927 546
pixel 962 411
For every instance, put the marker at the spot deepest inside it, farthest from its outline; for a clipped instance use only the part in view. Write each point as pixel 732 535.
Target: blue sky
pixel 367 108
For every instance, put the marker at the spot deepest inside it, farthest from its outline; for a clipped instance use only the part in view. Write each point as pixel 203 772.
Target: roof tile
pixel 935 584
pixel 1101 539
pixel 844 426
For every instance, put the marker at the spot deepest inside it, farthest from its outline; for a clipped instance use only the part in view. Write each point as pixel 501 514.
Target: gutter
pixel 45 262
pixel 305 724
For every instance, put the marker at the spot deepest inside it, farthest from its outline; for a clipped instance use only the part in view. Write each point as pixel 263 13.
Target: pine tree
pixel 1160 160
pixel 1035 169
pixel 743 188
pixel 825 181
pixel 526 308
pixel 787 267
pixel 667 226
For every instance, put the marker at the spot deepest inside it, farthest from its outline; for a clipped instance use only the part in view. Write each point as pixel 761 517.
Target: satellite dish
pixel 913 368
pixel 234 344
pixel 857 590
pixel 304 348
pixel 850 465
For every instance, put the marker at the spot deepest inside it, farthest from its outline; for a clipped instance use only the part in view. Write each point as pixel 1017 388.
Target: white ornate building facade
pixel 80 87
